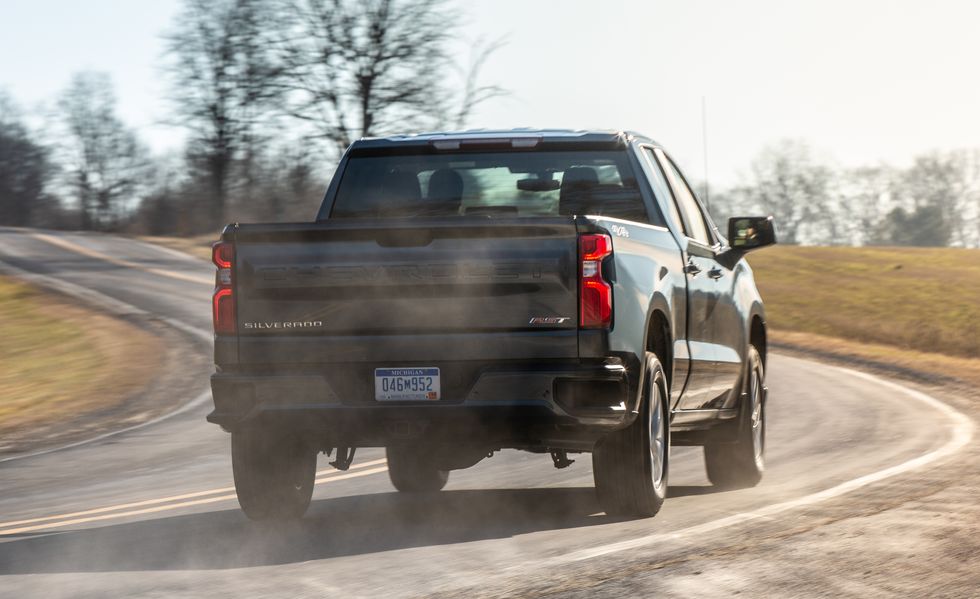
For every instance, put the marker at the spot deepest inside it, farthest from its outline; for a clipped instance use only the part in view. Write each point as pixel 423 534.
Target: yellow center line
pixel 74 247
pixel 172 506
pixel 124 506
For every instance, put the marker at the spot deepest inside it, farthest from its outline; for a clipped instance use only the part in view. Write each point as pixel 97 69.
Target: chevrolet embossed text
pixel 400 273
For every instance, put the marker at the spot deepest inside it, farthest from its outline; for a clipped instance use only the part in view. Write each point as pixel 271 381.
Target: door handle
pixel 692 269
pixel 715 273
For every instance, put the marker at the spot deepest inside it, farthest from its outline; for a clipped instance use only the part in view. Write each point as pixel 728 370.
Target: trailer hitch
pixel 345 457
pixel 560 458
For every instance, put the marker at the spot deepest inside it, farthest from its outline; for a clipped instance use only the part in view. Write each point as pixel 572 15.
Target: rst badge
pixel 551 320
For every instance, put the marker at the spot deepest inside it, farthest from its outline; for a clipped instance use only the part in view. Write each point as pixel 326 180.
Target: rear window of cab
pixel 503 184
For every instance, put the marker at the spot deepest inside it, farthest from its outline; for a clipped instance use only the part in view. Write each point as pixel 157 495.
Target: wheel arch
pixel 659 338
pixel 758 335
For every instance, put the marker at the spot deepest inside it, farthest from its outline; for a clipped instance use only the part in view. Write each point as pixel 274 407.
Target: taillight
pixel 595 293
pixel 223 300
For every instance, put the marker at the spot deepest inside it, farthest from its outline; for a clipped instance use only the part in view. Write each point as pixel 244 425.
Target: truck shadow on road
pixel 334 527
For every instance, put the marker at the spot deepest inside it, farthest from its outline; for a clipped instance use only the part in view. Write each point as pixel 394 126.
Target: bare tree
pixel 969 162
pixel 923 226
pixel 222 87
pixel 789 182
pixel 24 170
pixel 865 197
pixel 934 186
pixel 293 183
pixel 104 162
pixel 475 93
pixel 355 68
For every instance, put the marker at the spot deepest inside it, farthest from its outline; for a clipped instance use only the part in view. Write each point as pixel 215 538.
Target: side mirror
pixel 746 233
pixel 750 232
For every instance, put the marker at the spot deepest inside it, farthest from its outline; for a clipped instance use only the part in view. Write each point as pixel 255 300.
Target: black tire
pixel 624 463
pixel 412 472
pixel 740 464
pixel 274 474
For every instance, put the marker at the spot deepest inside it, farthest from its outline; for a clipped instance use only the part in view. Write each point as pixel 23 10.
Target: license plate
pixel 406 384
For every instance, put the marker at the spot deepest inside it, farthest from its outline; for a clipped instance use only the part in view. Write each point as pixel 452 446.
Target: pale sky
pixel 863 80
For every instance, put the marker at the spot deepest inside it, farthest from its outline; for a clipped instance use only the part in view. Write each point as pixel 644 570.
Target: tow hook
pixel 560 458
pixel 345 457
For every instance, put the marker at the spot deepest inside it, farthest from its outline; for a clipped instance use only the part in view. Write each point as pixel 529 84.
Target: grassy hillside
pixel 921 299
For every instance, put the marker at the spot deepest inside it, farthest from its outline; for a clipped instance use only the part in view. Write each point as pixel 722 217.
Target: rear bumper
pixel 568 404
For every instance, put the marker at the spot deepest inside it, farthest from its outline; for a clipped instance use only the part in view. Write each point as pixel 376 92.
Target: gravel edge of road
pixel 867 364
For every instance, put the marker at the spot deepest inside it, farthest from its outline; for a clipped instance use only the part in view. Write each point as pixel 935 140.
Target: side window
pixel 659 184
pixel 695 226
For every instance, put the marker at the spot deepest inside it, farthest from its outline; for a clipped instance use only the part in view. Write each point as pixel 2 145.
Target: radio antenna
pixel 704 150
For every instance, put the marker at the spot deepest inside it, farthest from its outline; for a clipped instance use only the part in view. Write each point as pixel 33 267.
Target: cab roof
pixel 502 139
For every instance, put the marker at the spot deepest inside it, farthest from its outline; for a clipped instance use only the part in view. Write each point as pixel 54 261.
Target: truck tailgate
pixel 403 283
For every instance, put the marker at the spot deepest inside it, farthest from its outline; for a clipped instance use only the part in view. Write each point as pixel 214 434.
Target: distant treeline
pixel 933 202
pixel 270 92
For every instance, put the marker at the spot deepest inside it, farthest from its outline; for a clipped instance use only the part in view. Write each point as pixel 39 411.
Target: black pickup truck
pixel 459 293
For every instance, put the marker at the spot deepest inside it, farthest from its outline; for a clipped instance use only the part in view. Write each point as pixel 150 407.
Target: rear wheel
pixel 741 464
pixel 413 472
pixel 630 466
pixel 274 474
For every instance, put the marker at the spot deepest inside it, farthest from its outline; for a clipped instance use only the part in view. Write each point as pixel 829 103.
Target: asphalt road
pixel 152 512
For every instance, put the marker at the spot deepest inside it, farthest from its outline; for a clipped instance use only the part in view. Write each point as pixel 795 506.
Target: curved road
pixel 151 511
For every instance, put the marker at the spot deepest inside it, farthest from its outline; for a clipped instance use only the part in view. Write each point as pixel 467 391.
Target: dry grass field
pixel 921 299
pixel 912 310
